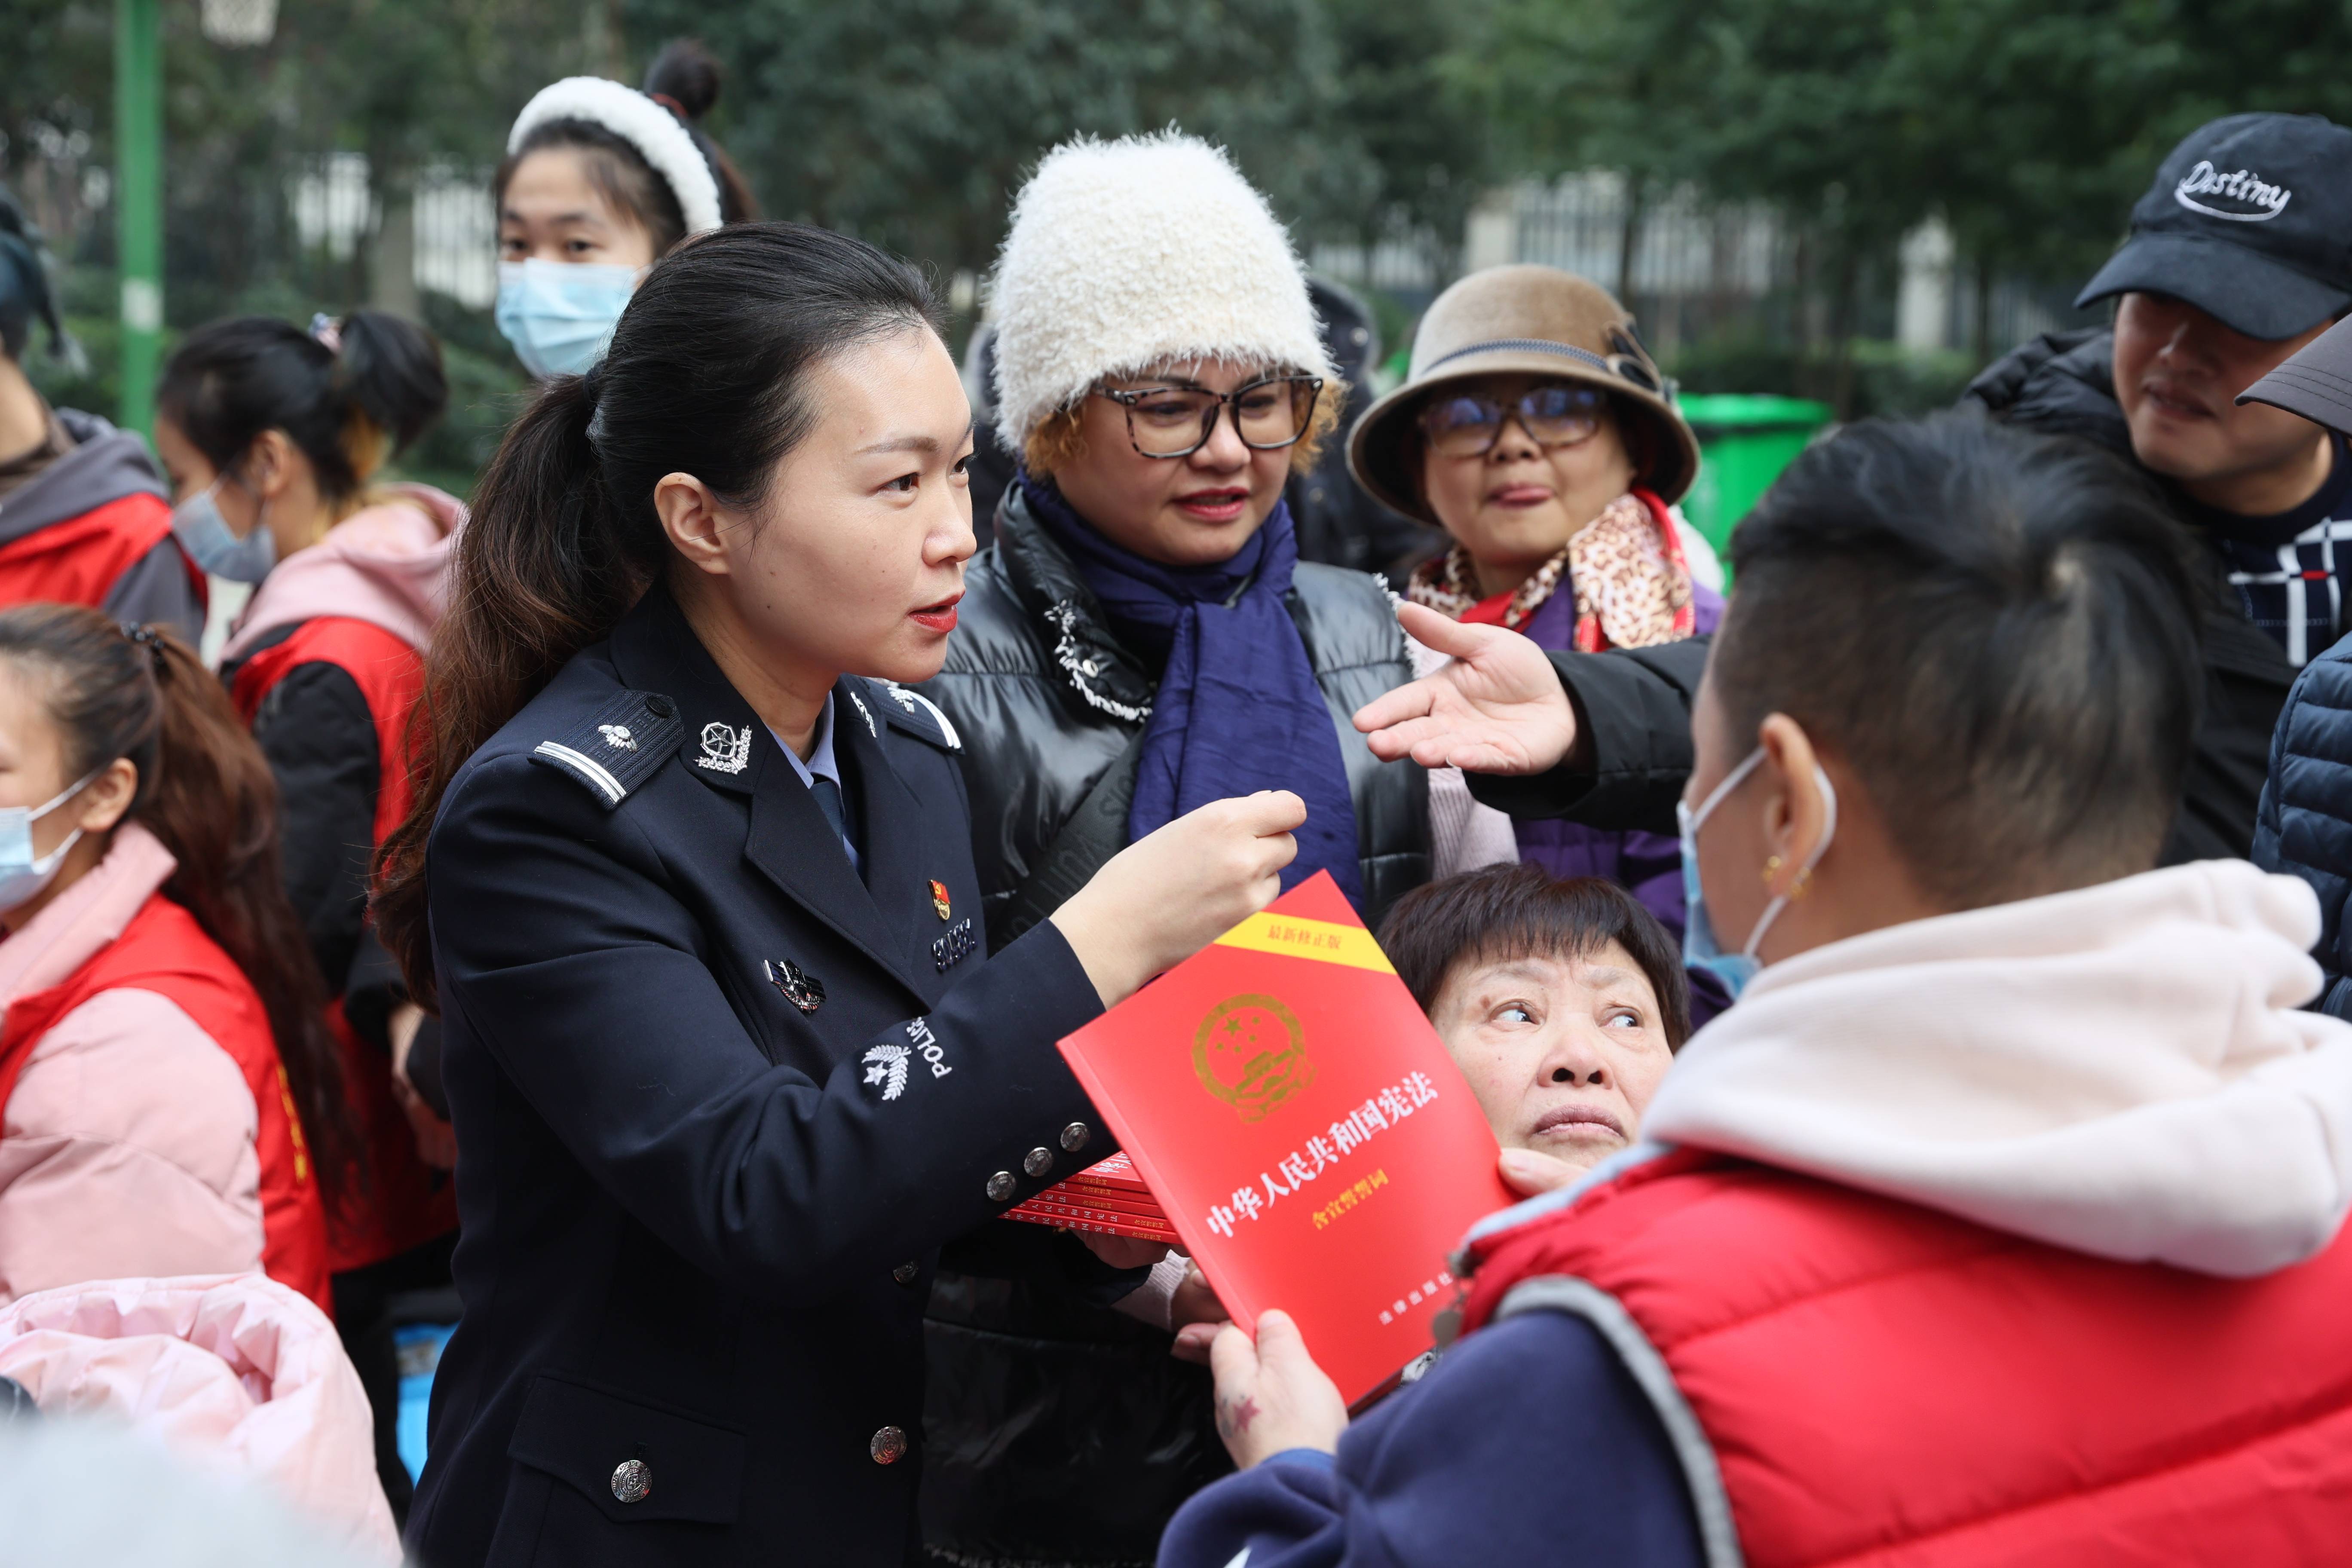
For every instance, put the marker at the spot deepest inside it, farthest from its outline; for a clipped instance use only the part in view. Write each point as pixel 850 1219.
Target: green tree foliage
pixel 2029 125
pixel 911 121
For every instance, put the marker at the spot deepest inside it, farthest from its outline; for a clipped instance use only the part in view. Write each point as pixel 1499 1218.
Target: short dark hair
pixel 1996 631
pixel 1503 912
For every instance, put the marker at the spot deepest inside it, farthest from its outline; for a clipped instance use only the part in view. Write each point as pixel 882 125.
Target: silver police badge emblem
pixel 800 988
pixel 725 750
pixel 617 735
pixel 887 1065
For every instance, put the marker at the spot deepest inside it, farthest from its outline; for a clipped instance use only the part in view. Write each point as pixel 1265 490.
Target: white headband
pixel 644 124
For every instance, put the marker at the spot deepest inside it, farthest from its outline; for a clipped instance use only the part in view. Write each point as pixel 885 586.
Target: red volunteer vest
pixel 79 560
pixel 162 950
pixel 1876 1384
pixel 410 1202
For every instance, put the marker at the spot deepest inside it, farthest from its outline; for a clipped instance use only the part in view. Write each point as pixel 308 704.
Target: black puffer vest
pixel 1057 1431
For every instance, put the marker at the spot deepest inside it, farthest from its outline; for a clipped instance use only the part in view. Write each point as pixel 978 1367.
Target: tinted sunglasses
pixel 1555 413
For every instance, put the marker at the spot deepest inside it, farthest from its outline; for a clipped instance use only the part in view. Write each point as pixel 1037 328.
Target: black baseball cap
pixel 2315 381
pixel 2250 220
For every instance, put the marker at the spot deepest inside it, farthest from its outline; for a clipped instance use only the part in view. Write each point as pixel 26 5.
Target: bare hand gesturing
pixel 1499 708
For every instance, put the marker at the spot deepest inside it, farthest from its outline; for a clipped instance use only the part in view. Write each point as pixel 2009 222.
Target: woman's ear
pixel 268 465
pixel 108 799
pixel 695 521
pixel 1796 812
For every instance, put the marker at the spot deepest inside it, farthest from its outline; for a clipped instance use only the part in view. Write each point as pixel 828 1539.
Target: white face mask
pixel 22 874
pixel 1700 948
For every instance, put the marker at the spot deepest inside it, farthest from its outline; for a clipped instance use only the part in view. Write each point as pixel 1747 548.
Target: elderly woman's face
pixel 1513 506
pixel 1563 1053
pixel 1194 511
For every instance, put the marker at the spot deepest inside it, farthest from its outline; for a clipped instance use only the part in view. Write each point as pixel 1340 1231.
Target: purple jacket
pixel 1648 865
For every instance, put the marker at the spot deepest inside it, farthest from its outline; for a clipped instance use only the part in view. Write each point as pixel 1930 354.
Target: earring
pixel 1803 885
pixel 1772 864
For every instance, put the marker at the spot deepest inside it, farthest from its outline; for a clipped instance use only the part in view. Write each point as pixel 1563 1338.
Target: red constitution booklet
pixel 1303 1128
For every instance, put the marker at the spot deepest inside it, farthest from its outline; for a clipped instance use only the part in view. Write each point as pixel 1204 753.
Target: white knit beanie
pixel 1131 254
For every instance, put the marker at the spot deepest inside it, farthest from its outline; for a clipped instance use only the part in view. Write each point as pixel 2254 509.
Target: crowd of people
pixel 1903 966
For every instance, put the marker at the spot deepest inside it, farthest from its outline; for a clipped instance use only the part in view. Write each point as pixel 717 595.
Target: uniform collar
pixel 729 750
pixel 823 762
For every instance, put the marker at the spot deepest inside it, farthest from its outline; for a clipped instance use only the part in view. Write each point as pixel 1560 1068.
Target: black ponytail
pixel 707 374
pixel 348 394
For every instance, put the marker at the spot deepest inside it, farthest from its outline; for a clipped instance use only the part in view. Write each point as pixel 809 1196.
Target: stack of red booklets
pixel 1302 1130
pixel 1109 1199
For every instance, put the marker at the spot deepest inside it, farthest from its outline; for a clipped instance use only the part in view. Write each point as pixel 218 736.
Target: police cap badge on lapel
pixel 940 905
pixel 800 988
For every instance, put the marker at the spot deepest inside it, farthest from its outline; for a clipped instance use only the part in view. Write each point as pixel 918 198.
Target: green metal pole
pixel 138 200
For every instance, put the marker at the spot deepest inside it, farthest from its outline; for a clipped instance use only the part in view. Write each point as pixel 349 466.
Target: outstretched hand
pixel 1271 1396
pixel 1499 708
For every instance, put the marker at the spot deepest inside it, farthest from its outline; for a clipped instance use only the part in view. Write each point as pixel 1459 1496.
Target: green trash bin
pixel 1744 442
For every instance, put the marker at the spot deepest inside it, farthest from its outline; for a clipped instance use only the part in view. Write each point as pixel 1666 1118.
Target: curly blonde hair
pixel 1058 441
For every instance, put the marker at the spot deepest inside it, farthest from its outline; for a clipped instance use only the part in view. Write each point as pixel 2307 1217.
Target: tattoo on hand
pixel 1233 1416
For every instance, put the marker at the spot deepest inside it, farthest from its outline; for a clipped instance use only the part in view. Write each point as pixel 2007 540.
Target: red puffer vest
pixel 79 560
pixel 162 950
pixel 1856 1380
pixel 411 1203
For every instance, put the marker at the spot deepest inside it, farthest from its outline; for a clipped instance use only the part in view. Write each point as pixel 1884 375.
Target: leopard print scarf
pixel 1633 585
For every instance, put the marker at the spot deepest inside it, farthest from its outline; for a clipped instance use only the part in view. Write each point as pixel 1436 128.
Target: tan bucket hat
pixel 1524 318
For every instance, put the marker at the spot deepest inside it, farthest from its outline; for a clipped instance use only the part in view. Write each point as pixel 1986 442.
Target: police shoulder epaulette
pixel 915 713
pixel 617 747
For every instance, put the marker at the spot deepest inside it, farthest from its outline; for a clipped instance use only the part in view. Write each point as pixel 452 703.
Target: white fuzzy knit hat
pixel 1135 253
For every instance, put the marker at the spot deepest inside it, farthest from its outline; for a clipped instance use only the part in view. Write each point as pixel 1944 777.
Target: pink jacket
pixel 386 564
pixel 237 1372
pixel 128 1146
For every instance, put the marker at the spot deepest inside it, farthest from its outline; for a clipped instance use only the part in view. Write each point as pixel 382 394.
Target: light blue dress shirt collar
pixel 821 765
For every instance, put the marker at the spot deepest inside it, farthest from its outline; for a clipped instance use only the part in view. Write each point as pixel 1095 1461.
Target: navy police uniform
pixel 720 1098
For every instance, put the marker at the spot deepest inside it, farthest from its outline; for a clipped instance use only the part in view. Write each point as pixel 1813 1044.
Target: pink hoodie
pixel 386 564
pixel 128 1144
pixel 237 1372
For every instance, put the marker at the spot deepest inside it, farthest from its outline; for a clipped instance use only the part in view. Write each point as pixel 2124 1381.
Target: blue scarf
pixel 1238 709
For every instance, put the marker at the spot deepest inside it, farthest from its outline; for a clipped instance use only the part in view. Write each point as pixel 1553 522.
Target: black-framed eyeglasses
pixel 1177 421
pixel 1553 414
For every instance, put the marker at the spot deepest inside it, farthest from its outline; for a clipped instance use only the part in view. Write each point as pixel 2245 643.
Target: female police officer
pixel 724 1057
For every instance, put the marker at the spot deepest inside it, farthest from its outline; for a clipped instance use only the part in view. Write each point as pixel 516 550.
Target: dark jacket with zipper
pixel 1634 709
pixel 1057 1431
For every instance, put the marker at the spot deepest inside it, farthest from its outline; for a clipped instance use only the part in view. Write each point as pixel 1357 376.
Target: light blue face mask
pixel 558 315
pixel 1700 948
pixel 22 874
pixel 215 546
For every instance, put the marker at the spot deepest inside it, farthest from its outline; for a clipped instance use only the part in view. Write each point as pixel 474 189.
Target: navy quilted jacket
pixel 2305 823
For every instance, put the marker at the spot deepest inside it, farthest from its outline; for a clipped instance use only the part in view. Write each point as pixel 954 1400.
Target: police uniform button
pixel 905 1273
pixel 633 1480
pixel 657 705
pixel 1000 1185
pixel 889 1447
pixel 1074 1137
pixel 1038 1162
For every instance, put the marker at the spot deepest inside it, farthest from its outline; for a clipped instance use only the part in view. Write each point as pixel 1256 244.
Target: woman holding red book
pixel 2005 1118
pixel 689 880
